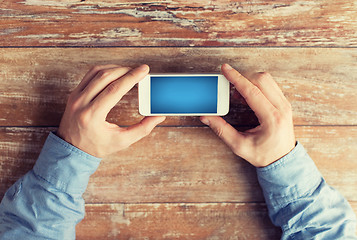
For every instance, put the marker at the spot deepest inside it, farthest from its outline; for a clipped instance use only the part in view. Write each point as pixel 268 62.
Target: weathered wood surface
pixel 177 221
pixel 178 23
pixel 320 83
pixel 187 164
pixel 181 182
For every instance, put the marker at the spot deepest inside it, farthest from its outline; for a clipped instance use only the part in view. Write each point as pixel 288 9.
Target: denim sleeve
pixel 47 202
pixel 300 201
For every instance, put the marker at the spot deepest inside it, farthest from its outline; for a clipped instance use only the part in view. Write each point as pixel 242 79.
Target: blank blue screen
pixel 196 94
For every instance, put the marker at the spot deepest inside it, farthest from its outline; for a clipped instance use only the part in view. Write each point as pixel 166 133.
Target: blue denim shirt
pixel 47 202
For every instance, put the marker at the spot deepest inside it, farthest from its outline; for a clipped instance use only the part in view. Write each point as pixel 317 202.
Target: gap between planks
pixel 182 46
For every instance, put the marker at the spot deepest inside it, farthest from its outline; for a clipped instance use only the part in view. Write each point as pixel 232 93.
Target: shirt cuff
pixel 293 176
pixel 65 166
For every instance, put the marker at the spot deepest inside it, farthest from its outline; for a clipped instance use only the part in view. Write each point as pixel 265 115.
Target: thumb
pixel 225 131
pixel 137 131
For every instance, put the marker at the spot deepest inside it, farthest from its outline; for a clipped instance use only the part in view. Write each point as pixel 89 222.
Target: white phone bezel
pixel 222 101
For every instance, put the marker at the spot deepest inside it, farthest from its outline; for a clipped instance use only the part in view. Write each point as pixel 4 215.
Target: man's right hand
pixel 274 137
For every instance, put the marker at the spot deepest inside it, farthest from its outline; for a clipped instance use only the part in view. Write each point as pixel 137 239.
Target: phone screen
pixel 183 94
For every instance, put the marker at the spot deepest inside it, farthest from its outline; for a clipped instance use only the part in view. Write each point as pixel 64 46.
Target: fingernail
pixel 227 66
pixel 205 121
pixel 143 68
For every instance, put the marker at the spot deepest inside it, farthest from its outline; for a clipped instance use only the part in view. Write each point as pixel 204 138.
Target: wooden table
pixel 181 182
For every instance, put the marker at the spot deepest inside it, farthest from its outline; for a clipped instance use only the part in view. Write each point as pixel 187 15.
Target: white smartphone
pixel 184 95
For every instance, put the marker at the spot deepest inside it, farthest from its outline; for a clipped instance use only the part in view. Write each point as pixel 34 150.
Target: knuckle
pixel 130 74
pixel 96 68
pixel 104 73
pixel 74 102
pixel 220 129
pixel 112 88
pixel 277 117
pixel 219 132
pixel 254 91
pixel 84 118
pixel 264 75
pixel 261 77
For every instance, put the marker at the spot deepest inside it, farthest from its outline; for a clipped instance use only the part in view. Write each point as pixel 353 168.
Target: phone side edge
pixel 223 96
pixel 144 96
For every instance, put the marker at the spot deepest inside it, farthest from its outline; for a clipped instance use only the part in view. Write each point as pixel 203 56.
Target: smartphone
pixel 184 95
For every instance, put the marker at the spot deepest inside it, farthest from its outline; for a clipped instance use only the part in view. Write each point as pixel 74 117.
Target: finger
pixel 225 131
pixel 102 79
pixel 251 93
pixel 136 132
pixel 112 94
pixel 269 88
pixel 90 74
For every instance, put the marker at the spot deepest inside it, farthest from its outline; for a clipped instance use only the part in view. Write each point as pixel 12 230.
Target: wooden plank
pixel 178 23
pixel 187 164
pixel 177 221
pixel 320 83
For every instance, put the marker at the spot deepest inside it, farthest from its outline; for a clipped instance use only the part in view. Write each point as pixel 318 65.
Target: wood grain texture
pixel 180 182
pixel 177 221
pixel 178 23
pixel 320 83
pixel 188 164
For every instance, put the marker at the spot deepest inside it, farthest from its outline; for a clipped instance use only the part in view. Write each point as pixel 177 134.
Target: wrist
pixel 290 149
pixel 59 133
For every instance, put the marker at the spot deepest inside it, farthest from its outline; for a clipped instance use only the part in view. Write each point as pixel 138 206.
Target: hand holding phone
pixel 84 122
pixel 184 95
pixel 274 137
